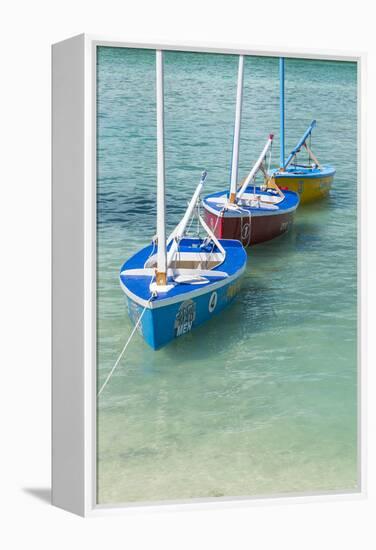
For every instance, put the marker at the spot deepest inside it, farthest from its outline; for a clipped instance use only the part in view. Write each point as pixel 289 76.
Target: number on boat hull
pixel 245 232
pixel 213 301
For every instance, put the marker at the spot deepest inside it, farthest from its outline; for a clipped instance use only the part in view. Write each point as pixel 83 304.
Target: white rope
pixel 154 241
pixel 133 331
pixel 208 238
pixel 124 348
pixel 270 157
pixel 187 231
pixel 214 229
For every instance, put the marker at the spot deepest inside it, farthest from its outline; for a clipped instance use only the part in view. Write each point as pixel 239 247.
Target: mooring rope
pixel 133 331
pixel 125 347
pixel 242 225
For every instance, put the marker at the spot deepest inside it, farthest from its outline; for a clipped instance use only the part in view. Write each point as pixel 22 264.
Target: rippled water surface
pixel 263 398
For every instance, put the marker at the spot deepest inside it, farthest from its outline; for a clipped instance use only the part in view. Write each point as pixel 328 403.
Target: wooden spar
pixel 161 276
pixel 271 184
pixel 300 143
pixel 255 168
pixel 282 111
pixel 178 233
pixel 235 146
pixel 312 156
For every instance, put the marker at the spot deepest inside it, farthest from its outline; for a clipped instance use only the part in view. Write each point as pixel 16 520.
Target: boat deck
pixel 138 287
pixel 270 203
pixel 296 171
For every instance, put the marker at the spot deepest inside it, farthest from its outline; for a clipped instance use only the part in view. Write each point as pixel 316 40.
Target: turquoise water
pixel 263 398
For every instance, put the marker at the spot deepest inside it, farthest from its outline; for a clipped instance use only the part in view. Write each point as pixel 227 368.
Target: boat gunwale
pixel 326 171
pixel 166 301
pixel 251 210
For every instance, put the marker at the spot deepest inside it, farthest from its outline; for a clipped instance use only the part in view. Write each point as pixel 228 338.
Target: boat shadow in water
pixel 252 312
pixel 306 236
pixel 266 286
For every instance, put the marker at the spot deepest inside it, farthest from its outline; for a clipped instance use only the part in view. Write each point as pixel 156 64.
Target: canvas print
pixel 226 276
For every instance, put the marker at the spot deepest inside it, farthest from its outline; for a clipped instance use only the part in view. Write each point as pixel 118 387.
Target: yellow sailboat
pixel 312 181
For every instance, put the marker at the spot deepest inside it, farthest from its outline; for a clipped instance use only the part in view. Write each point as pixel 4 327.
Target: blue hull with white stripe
pixel 185 306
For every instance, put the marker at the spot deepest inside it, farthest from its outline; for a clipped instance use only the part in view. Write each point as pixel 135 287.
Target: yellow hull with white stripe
pixel 309 189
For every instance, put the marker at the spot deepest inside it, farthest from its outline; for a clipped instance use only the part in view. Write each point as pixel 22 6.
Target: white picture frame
pixel 74 270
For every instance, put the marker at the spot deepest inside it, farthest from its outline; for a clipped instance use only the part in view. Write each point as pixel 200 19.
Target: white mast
pixel 161 278
pixel 235 146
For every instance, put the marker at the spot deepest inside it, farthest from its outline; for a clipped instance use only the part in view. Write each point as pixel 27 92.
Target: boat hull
pixel 260 215
pixel 310 186
pixel 249 230
pixel 183 304
pixel 161 325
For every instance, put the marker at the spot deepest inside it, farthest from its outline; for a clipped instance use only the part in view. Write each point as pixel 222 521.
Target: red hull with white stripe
pixel 249 230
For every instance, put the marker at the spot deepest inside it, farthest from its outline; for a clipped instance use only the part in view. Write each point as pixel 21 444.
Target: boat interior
pixel 266 200
pixel 191 260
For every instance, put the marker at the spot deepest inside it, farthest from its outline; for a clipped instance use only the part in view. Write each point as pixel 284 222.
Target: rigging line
pixel 270 156
pixel 207 239
pixel 186 232
pixel 151 253
pixel 198 219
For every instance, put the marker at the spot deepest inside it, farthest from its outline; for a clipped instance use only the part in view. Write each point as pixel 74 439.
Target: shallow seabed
pixel 263 398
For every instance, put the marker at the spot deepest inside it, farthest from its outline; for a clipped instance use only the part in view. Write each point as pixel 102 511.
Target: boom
pixel 178 233
pixel 300 144
pixel 255 168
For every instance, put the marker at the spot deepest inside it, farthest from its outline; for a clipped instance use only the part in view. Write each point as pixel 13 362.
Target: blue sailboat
pixel 176 284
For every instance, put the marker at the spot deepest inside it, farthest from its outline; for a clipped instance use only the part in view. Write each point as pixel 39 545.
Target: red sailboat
pixel 251 213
